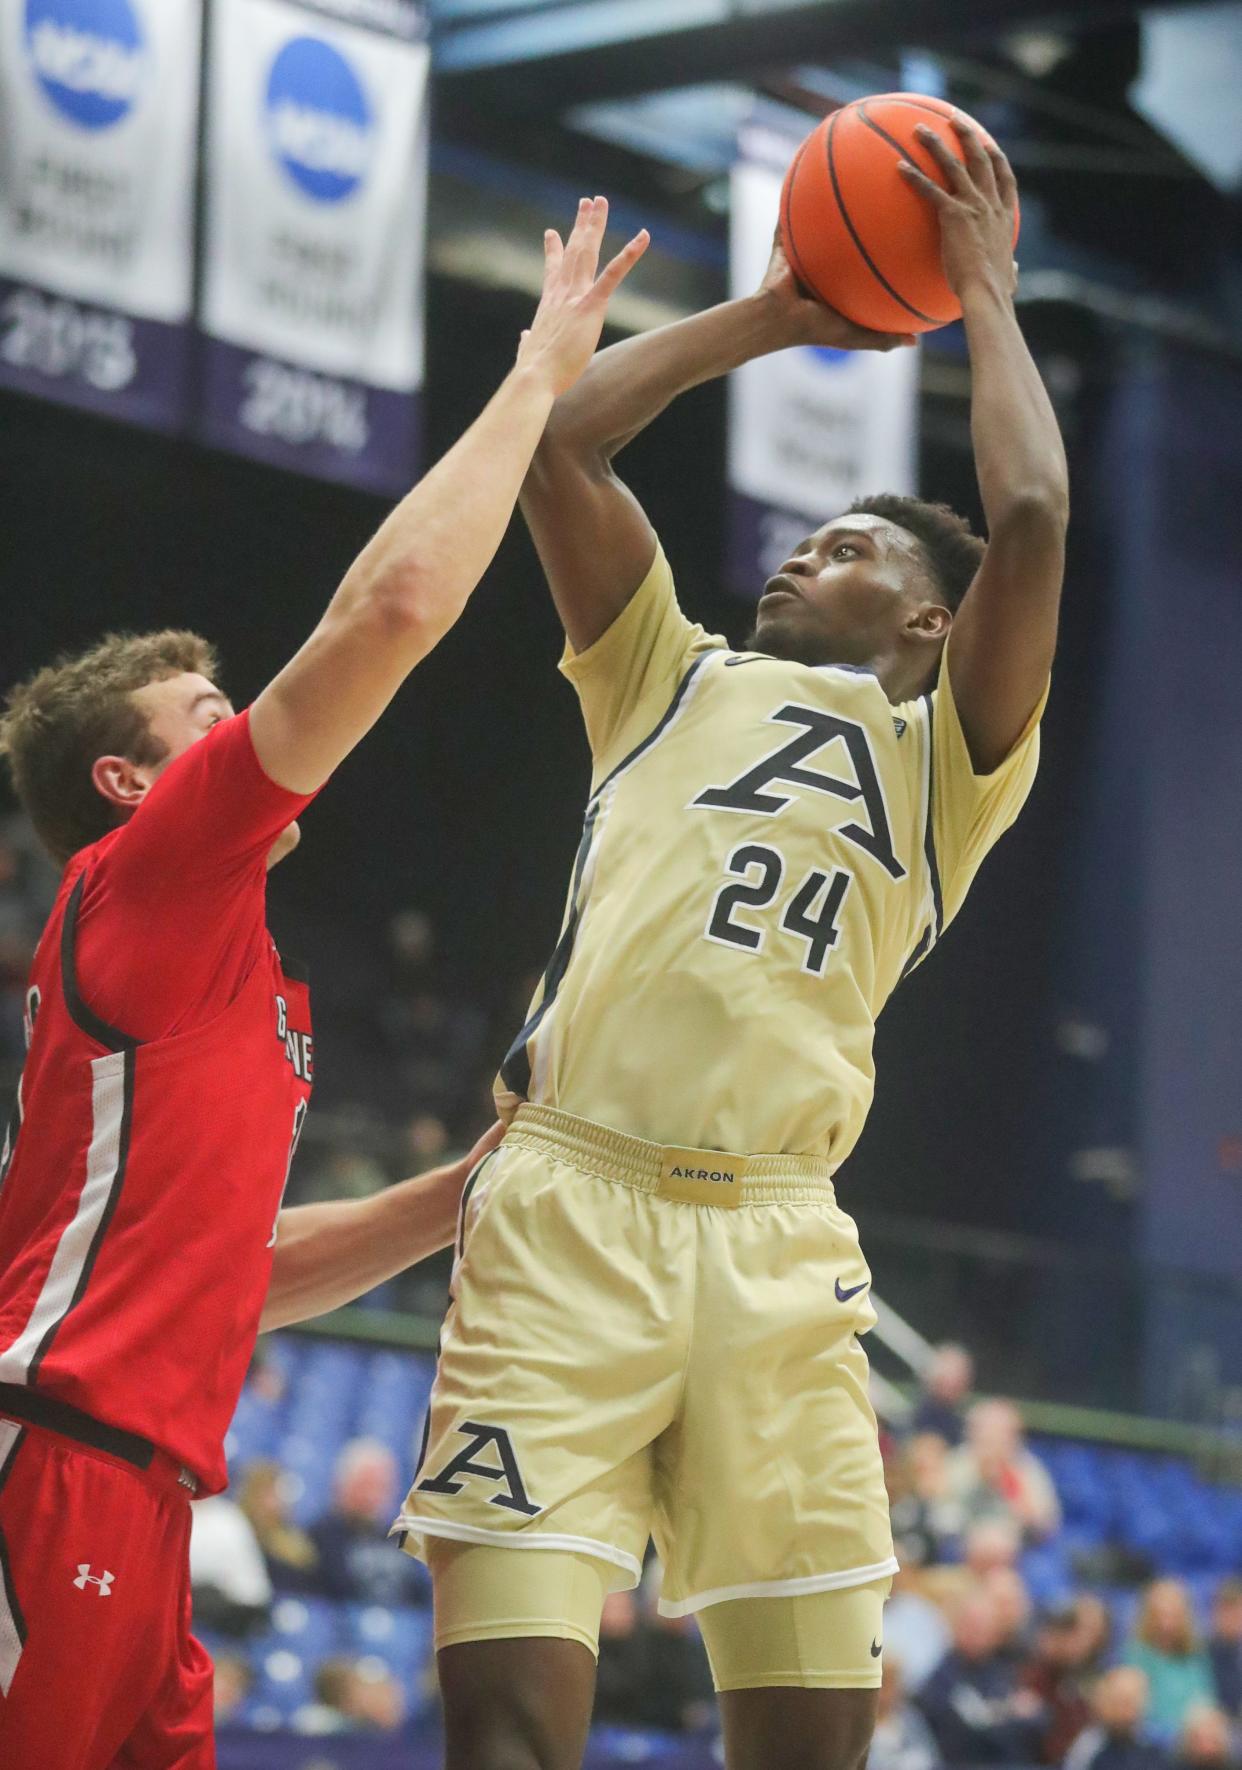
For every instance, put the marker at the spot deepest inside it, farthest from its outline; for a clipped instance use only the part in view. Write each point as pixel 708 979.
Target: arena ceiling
pixel 1120 119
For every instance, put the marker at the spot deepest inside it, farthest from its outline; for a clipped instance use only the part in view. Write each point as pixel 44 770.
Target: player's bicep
pixel 592 535
pixel 330 693
pixel 1005 634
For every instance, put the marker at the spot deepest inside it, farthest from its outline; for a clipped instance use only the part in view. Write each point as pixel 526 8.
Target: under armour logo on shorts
pixel 87 1578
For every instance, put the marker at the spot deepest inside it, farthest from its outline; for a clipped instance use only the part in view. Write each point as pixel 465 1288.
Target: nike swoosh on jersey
pixel 844 1296
pixel 877 1648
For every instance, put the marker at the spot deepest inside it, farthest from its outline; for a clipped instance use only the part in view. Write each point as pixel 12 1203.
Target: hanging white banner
pixel 810 429
pixel 98 128
pixel 316 154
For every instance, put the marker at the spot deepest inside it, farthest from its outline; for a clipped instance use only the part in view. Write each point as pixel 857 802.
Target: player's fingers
pixel 589 232
pixel 620 267
pixel 576 243
pixel 1002 171
pixel 956 175
pixel 926 187
pixel 978 163
pixel 553 252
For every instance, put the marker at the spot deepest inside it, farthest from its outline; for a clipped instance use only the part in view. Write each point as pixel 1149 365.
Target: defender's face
pixel 843 596
pixel 180 711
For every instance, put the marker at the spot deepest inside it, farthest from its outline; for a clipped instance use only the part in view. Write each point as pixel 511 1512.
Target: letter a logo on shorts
pixel 514 1498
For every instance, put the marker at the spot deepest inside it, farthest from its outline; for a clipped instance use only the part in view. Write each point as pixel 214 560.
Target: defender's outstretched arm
pixel 411 582
pixel 1004 633
pixel 592 535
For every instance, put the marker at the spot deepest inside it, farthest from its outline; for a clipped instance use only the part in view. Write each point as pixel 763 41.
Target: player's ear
pixel 929 623
pixel 121 782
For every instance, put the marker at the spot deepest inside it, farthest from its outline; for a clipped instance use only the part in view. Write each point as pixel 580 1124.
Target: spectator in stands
pixel 351 1695
pixel 1206 1741
pixel 928 1519
pixel 228 1580
pixel 622 1670
pixel 291 1558
pixel 990 1544
pixel 1095 1622
pixel 916 1632
pixel 356 1558
pixel 972 1701
pixel 1057 1672
pixel 994 1472
pixel 1164 1647
pixel 1225 1646
pixel 1116 1740
pixel 902 1738
pixel 947 1382
pixel 1007 1590
pixel 232 1678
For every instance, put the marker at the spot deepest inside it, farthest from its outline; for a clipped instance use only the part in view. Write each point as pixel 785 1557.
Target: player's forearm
pixel 630 384
pixel 1019 454
pixel 327 1255
pixel 432 550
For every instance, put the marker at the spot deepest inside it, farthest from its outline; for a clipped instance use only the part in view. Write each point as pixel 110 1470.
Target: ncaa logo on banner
pixel 87 55
pixel 319 121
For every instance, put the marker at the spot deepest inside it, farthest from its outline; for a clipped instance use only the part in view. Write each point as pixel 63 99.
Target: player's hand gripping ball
pixel 891 249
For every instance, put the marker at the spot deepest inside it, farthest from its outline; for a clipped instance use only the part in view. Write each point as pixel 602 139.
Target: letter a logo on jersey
pixel 514 1498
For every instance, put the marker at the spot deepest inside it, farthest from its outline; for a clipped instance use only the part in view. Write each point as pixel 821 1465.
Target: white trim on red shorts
pixel 511 1539
pixel 781 1588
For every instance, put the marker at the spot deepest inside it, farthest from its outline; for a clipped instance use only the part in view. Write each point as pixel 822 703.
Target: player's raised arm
pixel 593 537
pixel 1004 633
pixel 410 583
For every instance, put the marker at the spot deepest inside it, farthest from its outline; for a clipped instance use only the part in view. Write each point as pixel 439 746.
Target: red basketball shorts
pixel 98 1669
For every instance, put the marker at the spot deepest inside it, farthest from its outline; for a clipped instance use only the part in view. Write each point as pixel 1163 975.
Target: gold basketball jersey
pixel 768 849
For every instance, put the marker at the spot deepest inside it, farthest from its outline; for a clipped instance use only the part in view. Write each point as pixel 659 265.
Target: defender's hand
pixel 808 321
pixel 976 211
pixel 566 328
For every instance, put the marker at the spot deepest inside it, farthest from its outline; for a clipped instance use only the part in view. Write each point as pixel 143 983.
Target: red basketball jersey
pixel 168 1073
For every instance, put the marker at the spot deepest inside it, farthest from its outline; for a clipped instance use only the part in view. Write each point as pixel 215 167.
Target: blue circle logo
pixel 318 119
pixel 87 56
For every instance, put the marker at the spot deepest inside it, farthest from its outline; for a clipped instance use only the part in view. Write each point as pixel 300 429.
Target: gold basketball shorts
pixel 644 1341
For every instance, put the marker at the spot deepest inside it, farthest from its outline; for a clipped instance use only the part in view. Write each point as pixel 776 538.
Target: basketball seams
pixel 862 251
pixel 787 229
pixel 835 248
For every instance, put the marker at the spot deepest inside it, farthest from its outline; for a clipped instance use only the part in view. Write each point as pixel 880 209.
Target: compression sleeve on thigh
pixel 489 1593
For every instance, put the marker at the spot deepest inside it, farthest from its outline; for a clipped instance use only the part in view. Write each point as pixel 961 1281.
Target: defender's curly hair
pixel 55 725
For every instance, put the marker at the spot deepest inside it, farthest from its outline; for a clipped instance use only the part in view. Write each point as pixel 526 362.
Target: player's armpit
pixel 972 809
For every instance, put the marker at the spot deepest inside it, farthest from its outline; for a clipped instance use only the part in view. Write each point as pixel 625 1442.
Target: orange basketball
pixel 855 234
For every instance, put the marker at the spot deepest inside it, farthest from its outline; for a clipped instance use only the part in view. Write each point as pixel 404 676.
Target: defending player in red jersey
pixel 169 1068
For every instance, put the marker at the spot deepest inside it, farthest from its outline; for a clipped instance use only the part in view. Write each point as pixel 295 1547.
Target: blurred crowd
pixel 975 1672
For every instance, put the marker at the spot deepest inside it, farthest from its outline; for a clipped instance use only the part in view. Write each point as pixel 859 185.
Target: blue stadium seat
pixel 312 1627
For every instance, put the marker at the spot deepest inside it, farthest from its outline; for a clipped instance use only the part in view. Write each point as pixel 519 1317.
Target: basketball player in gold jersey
pixel 656 1301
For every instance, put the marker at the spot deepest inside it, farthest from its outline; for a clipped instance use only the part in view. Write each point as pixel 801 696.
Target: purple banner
pixel 323 425
pixel 760 540
pixel 93 357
